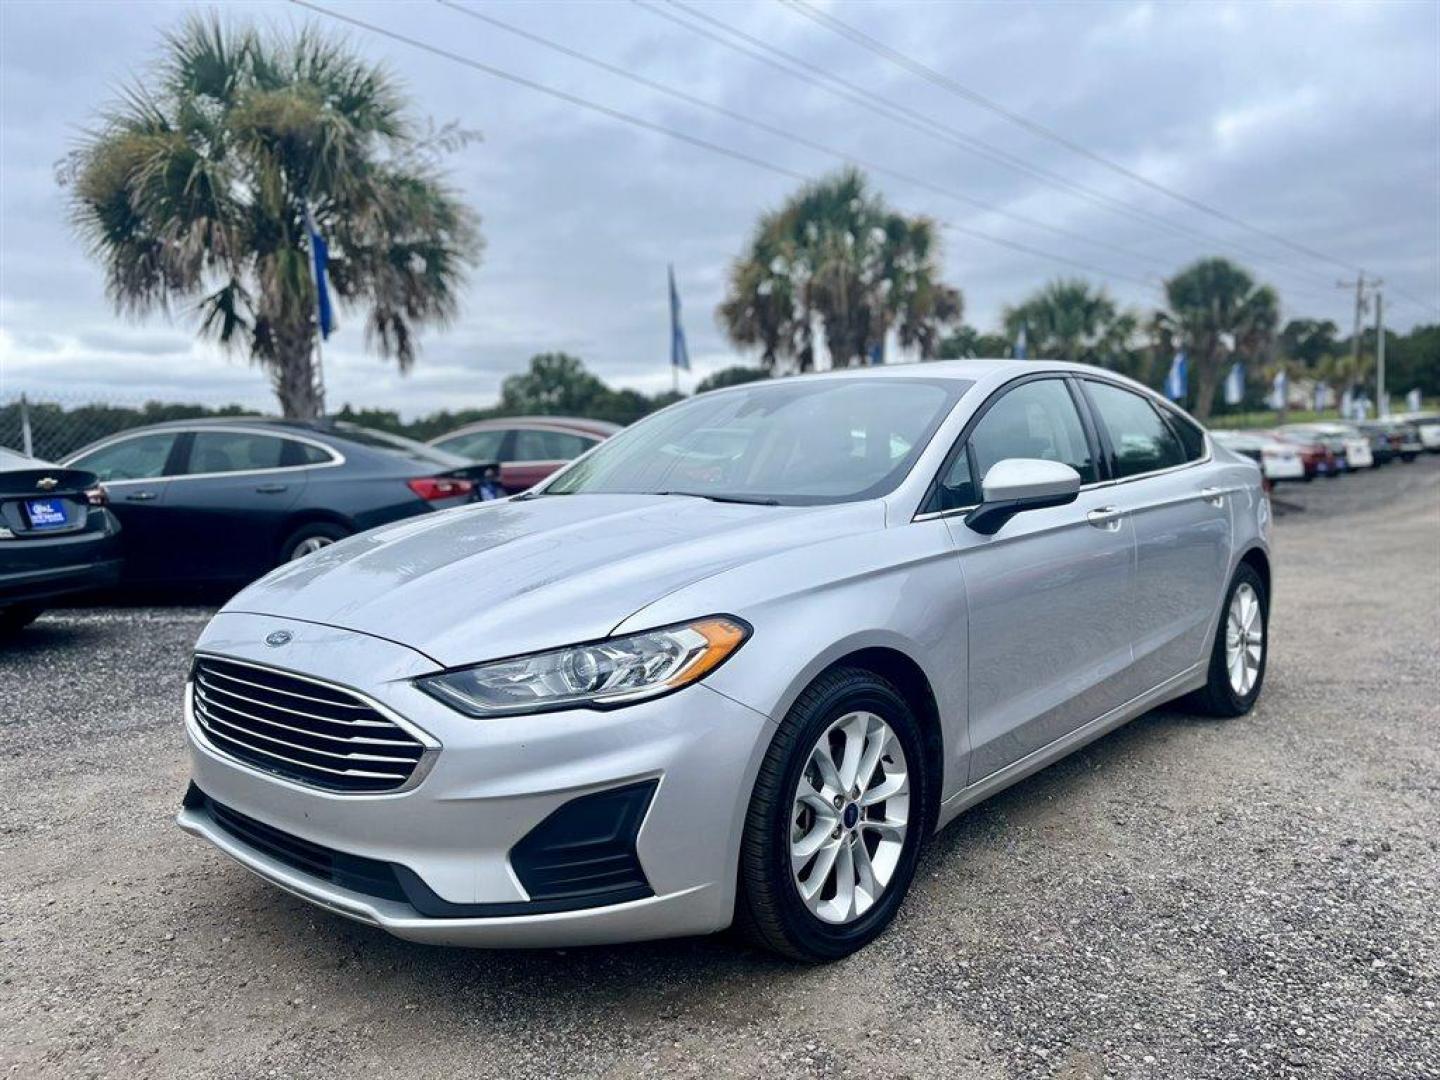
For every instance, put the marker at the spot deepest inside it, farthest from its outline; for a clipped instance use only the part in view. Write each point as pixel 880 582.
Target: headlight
pixel 616 671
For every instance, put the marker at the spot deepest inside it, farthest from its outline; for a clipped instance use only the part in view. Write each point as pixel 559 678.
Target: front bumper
pixel 490 785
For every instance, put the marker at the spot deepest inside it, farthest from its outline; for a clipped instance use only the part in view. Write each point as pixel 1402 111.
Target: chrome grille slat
pixel 265 719
pixel 212 718
pixel 203 681
pixel 289 693
pixel 306 766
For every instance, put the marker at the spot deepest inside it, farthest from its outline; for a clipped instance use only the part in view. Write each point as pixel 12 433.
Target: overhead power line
pixel 746 44
pixel 924 71
pixel 682 136
pixel 790 136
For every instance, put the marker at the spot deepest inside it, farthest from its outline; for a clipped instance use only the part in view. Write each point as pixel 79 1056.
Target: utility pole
pixel 1359 285
pixel 1382 401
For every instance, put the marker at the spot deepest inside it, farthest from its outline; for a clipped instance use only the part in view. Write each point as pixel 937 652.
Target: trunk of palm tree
pixel 293 373
pixel 1207 381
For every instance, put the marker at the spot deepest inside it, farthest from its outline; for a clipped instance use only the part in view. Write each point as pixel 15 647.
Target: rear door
pixel 136 470
pixel 1181 519
pixel 1047 595
pixel 231 501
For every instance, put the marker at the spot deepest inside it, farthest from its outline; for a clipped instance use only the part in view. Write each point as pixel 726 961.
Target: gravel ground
pixel 1184 898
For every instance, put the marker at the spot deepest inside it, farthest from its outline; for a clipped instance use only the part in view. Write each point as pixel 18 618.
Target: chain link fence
pixel 56 426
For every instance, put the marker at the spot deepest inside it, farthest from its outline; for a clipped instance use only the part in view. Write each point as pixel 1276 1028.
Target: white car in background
pixel 1278 460
pixel 1340 437
pixel 1428 426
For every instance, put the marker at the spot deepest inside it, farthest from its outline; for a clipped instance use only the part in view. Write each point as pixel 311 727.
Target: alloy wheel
pixel 1244 639
pixel 849 817
pixel 309 546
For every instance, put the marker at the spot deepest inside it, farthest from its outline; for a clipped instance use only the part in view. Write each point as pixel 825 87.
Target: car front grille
pixel 305 731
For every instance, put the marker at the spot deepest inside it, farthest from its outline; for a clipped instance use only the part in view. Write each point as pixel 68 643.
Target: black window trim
pixel 962 441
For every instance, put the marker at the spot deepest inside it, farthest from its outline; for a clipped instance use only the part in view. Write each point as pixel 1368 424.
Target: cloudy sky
pixel 1317 122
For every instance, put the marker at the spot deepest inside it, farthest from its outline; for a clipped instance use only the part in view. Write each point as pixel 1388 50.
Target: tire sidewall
pixel 328 529
pixel 813 936
pixel 1219 670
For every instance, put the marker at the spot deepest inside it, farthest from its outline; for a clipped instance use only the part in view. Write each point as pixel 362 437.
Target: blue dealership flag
pixel 320 260
pixel 1179 378
pixel 1279 390
pixel 1021 345
pixel 679 352
pixel 1235 384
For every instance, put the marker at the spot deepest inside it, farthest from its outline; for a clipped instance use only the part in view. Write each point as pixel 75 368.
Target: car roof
pixel 581 424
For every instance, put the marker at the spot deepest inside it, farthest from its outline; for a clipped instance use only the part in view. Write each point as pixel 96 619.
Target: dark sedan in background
pixel 528 448
pixel 56 537
pixel 227 500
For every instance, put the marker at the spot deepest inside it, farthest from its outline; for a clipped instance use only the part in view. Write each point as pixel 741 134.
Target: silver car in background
pixel 734 665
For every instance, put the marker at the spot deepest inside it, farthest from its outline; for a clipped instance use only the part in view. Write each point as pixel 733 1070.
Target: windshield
pixel 791 441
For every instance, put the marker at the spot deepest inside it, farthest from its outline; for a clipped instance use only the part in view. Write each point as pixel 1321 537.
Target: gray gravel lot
pixel 1184 898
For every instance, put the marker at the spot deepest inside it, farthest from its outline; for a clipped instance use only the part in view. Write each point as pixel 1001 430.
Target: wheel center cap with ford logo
pixel 851 815
pixel 276 638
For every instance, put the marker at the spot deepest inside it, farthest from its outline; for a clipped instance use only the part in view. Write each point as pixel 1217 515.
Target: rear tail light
pixel 97 496
pixel 431 488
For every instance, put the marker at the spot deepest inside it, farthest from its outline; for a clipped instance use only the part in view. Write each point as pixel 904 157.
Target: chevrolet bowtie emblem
pixel 47 483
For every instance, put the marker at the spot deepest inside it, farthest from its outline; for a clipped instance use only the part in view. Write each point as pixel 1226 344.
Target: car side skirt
pixel 1190 679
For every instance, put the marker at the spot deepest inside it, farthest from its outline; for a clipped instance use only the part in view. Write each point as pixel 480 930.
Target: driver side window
pixel 1034 420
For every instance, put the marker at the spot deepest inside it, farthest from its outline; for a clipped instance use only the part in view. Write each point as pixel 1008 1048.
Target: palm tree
pixel 1309 340
pixel 193 190
pixel 835 255
pixel 1215 308
pixel 1070 320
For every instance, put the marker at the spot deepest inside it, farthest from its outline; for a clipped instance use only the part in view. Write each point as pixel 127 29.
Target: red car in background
pixel 1319 459
pixel 527 448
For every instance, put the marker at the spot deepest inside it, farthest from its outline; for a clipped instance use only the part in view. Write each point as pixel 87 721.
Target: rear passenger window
pixel 1191 437
pixel 299 453
pixel 532 444
pixel 1142 442
pixel 1034 420
pixel 234 451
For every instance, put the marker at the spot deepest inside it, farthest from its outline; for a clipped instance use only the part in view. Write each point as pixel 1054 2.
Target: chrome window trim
pixel 336 457
pixel 423 764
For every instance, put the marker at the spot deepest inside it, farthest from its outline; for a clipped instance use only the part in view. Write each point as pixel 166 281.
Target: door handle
pixel 140 496
pixel 272 489
pixel 1104 517
pixel 1213 495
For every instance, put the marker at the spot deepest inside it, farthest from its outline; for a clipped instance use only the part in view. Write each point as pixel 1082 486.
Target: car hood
pixel 503 578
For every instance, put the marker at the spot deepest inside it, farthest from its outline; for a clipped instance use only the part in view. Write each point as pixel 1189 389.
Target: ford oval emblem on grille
pixel 276 638
pixel 47 483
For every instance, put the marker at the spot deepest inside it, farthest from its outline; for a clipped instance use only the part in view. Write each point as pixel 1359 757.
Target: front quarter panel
pixel 897 589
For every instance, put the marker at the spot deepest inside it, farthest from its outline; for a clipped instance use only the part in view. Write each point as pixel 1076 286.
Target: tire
pixel 770 908
pixel 310 538
pixel 1407 458
pixel 15 619
pixel 1220 696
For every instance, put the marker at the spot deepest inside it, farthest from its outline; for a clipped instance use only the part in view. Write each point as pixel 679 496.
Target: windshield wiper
pixel 743 499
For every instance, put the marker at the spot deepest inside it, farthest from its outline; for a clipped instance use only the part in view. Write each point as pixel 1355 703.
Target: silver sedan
pixel 734 665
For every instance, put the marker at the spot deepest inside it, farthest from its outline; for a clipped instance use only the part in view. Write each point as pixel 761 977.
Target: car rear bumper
pixel 1284 468
pixel 36 571
pixel 452 839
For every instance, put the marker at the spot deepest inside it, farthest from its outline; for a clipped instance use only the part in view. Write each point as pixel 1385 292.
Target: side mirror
pixel 1015 485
